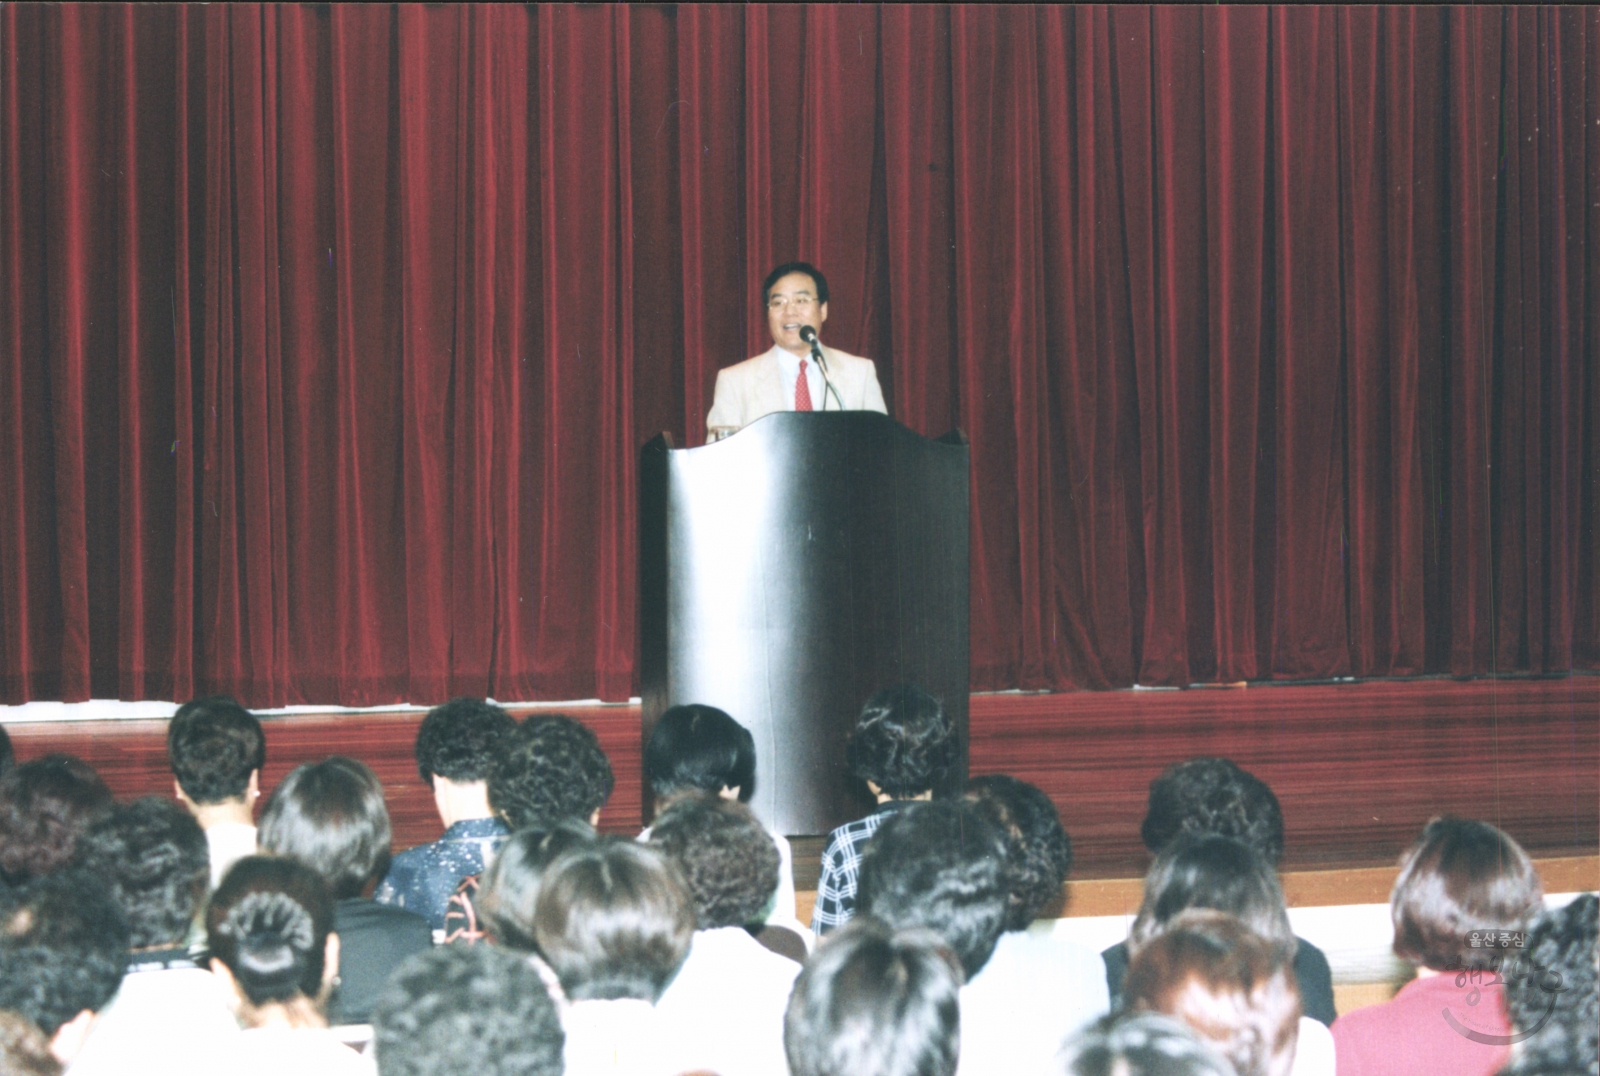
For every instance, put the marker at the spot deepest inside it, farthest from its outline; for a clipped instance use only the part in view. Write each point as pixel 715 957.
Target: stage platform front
pixel 1359 767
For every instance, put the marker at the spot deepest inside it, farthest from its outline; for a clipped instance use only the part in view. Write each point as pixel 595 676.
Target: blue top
pixel 421 879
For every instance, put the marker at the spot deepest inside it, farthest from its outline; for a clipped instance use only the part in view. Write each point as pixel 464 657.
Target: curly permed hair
pixel 903 742
pixel 460 740
pixel 1038 850
pixel 726 856
pixel 549 768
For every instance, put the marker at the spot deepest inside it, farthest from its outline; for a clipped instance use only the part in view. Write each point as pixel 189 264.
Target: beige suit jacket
pixel 748 390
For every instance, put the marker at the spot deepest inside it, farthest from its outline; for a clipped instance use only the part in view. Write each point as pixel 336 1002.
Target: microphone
pixel 809 335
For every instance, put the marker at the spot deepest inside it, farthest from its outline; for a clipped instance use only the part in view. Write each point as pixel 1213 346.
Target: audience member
pixel 457 744
pixel 873 1002
pixel 510 890
pixel 24 1050
pixel 8 756
pixel 1224 875
pixel 1228 984
pixel 550 768
pixel 1553 992
pixel 470 1010
pixel 1035 990
pixel 270 926
pixel 1214 796
pixel 216 749
pixel 904 746
pixel 726 1003
pixel 1140 1044
pixel 330 815
pixel 44 805
pixel 615 922
pixel 1459 877
pixel 699 748
pixel 170 1015
pixel 63 952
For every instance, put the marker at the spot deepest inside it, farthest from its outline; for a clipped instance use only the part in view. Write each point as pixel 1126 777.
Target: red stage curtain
pixel 330 333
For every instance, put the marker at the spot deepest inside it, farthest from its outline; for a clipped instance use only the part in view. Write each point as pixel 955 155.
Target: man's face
pixel 791 303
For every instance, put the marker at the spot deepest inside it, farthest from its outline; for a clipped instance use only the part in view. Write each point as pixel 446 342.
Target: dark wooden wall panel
pixel 1358 767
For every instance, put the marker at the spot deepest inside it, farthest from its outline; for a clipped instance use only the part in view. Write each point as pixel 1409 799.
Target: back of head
pixel 330 815
pixel 467 1009
pixel 460 740
pixel 1229 985
pixel 941 867
pixel 613 921
pixel 1213 872
pixel 45 804
pixel 873 1002
pixel 268 922
pixel 1038 850
pixel 903 742
pixel 214 745
pixel 1213 795
pixel 1553 987
pixel 727 858
pixel 1460 876
pixel 63 949
pixel 549 768
pixel 510 891
pixel 698 748
pixel 152 857
pixel 1140 1044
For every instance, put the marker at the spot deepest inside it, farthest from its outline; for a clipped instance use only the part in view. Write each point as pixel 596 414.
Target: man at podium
pixel 798 373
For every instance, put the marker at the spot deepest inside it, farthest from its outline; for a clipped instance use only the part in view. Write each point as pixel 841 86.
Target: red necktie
pixel 802 390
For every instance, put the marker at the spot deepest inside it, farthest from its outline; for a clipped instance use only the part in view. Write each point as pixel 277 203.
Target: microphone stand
pixel 810 337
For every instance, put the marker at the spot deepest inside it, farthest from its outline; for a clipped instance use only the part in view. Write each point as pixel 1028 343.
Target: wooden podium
pixel 791 570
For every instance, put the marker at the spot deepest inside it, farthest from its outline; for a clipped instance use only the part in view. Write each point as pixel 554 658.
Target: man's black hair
pixel 727 857
pixel 45 805
pixel 1213 795
pixel 939 866
pixel 785 269
pixel 213 745
pixel 903 742
pixel 549 768
pixel 475 1009
pixel 873 1002
pixel 699 748
pixel 330 815
pixel 461 739
pixel 63 949
pixel 152 858
pixel 1038 850
pixel 1553 990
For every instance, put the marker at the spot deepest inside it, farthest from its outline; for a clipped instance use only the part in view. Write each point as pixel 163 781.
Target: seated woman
pixel 614 921
pixel 330 815
pixel 269 926
pixel 1462 881
pixel 1226 875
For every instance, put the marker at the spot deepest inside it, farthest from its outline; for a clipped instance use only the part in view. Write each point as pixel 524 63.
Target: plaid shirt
pixel 841 866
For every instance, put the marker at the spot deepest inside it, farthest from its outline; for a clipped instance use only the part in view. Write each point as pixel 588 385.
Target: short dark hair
pixel 45 804
pixel 727 858
pixel 941 866
pixel 331 816
pixel 63 949
pixel 903 742
pixel 268 922
pixel 699 748
pixel 1213 795
pixel 1460 876
pixel 1038 850
pixel 1233 987
pixel 550 767
pixel 467 1009
pixel 785 269
pixel 613 920
pixel 1140 1044
pixel 152 857
pixel 510 890
pixel 214 744
pixel 874 1002
pixel 8 755
pixel 1213 872
pixel 460 740
pixel 1552 992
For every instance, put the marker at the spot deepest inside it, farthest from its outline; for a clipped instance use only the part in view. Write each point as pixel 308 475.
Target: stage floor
pixel 1358 768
